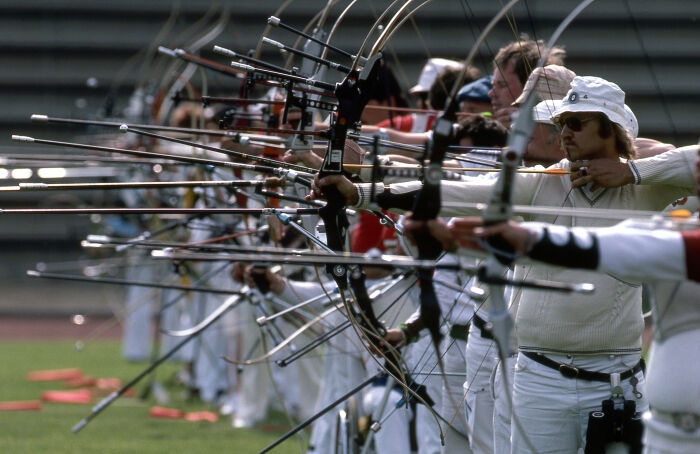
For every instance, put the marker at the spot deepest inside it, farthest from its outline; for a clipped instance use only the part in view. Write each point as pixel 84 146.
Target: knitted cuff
pixel 635 172
pixel 364 191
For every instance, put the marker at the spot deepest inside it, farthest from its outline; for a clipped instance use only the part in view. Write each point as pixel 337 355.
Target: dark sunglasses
pixel 573 123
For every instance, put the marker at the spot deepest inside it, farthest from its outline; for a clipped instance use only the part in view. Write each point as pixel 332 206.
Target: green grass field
pixel 125 426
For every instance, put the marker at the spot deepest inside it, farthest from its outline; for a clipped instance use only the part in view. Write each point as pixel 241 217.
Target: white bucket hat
pixel 593 94
pixel 430 72
pixel 542 112
pixel 631 126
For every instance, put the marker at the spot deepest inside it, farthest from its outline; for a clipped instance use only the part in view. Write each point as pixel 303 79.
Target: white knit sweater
pixel 610 320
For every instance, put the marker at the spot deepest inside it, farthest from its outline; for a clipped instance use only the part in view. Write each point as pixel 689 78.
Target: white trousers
pixel 254 379
pixel 553 410
pixel 502 394
pixel 455 436
pixel 482 358
pixel 394 435
pixel 663 438
pixel 420 357
pixel 138 319
pixel 209 367
pixel 342 370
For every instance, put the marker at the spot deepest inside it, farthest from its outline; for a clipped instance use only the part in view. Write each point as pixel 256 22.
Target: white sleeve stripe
pixel 635 172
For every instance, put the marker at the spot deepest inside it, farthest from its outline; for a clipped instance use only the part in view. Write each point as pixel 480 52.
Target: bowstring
pixel 394 55
pixel 649 64
pixel 440 363
pixel 543 74
pixel 440 355
pixel 425 356
pixel 353 321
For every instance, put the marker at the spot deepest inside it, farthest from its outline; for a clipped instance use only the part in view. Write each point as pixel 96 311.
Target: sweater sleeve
pixel 400 197
pixel 636 253
pixel 672 168
pixel 619 250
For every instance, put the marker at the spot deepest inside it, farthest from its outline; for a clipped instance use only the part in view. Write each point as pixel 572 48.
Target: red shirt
pixel 692 253
pixel 369 233
pixel 410 123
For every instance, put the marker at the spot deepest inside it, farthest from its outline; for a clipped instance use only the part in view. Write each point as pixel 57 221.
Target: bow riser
pixel 352 99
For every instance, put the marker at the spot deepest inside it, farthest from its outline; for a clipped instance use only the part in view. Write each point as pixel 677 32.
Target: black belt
pixel 569 371
pixel 481 324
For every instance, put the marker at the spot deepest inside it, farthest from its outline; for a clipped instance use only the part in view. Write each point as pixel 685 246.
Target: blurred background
pixel 97 60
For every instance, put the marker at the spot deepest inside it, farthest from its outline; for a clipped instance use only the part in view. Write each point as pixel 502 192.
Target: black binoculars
pixel 617 422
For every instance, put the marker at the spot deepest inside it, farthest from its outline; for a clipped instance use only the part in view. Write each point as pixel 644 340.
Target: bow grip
pixel 426 208
pixel 367 316
pixel 257 273
pixel 336 223
pixel 429 306
pixel 502 249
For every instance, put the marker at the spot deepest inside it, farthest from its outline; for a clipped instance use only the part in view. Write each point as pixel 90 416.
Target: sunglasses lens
pixel 573 123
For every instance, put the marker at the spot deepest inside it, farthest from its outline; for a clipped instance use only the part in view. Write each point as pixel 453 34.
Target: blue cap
pixel 476 91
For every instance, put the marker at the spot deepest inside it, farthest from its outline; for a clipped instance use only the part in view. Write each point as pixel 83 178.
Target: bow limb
pixel 337 22
pixel 371 30
pixel 425 207
pixel 319 20
pixel 309 324
pixel 379 44
pixel 285 342
pixel 407 17
pixel 499 209
pixel 188 72
pixel 268 27
pixel 224 307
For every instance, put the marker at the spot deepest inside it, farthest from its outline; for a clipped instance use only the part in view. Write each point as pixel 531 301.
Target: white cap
pixel 430 72
pixel 542 112
pixel 553 82
pixel 593 94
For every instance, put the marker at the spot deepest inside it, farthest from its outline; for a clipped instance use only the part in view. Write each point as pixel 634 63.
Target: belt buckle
pixel 568 370
pixel 687 422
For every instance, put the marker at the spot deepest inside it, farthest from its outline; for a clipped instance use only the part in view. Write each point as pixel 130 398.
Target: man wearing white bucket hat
pixel 574 354
pixel 662 257
pixel 553 83
pixel 578 342
pixel 592 98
